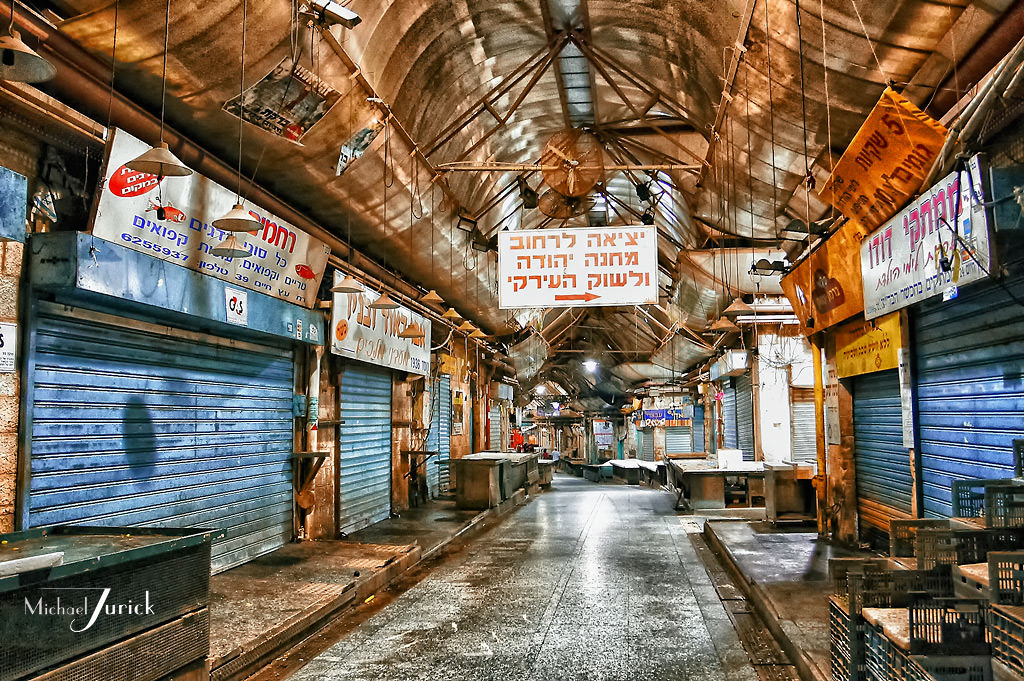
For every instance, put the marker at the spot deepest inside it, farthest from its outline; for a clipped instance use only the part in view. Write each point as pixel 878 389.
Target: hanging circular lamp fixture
pixel 467 326
pixel 413 331
pixel 384 302
pixel 19 62
pixel 238 218
pixel 432 297
pixel 478 334
pixel 348 285
pixel 452 314
pixel 230 248
pixel 159 160
pixel 737 307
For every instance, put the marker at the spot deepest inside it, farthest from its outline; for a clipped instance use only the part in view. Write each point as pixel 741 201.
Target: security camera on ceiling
pixel 332 13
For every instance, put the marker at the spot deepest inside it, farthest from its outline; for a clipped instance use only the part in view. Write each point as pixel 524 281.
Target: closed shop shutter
pixel 803 425
pixel 678 440
pixel 745 416
pixel 884 481
pixel 494 428
pixel 648 450
pixel 970 387
pixel 365 492
pixel 729 416
pixel 439 439
pixel 698 429
pixel 140 424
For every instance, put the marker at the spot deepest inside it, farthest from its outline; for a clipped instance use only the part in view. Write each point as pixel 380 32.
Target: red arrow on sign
pixel 581 296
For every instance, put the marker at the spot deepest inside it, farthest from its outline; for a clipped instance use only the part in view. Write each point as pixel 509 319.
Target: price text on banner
pixel 577 267
pixel 170 219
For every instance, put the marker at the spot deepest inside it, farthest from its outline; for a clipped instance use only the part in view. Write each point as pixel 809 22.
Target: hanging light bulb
pixel 159 160
pixel 19 62
pixel 737 308
pixel 384 302
pixel 237 219
pixel 412 331
pixel 230 248
pixel 451 313
pixel 432 297
pixel 348 285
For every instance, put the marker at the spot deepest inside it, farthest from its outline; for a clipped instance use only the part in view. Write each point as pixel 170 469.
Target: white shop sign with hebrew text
pixel 577 267
pixel 286 263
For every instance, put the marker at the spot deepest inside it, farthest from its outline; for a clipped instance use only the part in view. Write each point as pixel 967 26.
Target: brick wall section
pixel 12 255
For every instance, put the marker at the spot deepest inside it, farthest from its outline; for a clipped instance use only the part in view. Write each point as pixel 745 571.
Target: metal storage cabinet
pixel 166 570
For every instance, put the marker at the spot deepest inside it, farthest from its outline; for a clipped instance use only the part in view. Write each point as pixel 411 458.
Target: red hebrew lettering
pixel 609 239
pixel 632 258
pixel 520 259
pixel 516 243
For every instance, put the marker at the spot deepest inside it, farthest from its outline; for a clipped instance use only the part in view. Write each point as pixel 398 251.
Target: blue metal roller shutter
pixel 494 428
pixel 678 440
pixel 365 492
pixel 745 416
pixel 439 439
pixel 728 406
pixel 970 388
pixel 138 424
pixel 698 429
pixel 884 479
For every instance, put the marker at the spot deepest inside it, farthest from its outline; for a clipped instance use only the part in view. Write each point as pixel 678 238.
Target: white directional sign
pixel 577 267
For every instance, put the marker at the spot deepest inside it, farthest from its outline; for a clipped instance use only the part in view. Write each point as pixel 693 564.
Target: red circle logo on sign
pixel 126 182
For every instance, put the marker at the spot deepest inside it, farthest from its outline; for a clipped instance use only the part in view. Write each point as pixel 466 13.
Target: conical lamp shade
pixel 451 313
pixel 467 326
pixel 411 331
pixel 738 307
pixel 724 324
pixel 384 303
pixel 478 334
pixel 161 162
pixel 238 220
pixel 230 248
pixel 348 285
pixel 20 63
pixel 432 297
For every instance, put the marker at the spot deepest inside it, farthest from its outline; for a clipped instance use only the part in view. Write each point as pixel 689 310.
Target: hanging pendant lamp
pixel 737 307
pixel 384 302
pixel 237 219
pixel 19 62
pixel 467 326
pixel 477 333
pixel 451 313
pixel 348 285
pixel 725 325
pixel 413 331
pixel 432 297
pixel 230 248
pixel 159 160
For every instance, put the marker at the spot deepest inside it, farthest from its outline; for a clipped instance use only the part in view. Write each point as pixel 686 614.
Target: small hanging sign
pixel 236 306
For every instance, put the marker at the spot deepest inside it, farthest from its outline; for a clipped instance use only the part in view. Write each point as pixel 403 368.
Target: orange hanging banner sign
pixel 886 163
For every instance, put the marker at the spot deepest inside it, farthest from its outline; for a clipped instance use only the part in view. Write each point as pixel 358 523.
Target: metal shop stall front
pixel 364 495
pixel 145 407
pixel 439 437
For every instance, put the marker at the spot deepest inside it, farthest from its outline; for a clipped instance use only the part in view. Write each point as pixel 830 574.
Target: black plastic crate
pixel 903 535
pixel 948 626
pixel 883 659
pixel 949 668
pixel 846 641
pixel 840 568
pixel 969 496
pixel 1006 630
pixel 1006 577
pixel 1004 505
pixel 149 576
pixel 893 588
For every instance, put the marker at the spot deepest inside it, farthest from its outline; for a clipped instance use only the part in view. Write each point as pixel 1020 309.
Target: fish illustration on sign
pixel 305 271
pixel 167 212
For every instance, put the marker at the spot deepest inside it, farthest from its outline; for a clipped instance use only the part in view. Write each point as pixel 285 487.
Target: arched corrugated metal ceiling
pixel 649 63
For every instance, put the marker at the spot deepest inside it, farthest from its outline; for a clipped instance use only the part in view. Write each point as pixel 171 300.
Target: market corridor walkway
pixel 586 582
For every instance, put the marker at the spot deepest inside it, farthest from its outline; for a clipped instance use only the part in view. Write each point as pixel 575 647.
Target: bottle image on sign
pixel 828 292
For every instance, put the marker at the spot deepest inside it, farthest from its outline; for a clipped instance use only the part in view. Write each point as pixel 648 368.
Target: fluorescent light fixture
pixel 331 13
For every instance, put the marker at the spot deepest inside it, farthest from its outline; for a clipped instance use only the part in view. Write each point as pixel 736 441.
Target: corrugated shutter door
pixel 970 388
pixel 494 428
pixel 804 425
pixel 745 416
pixel 729 417
pixel 445 445
pixel 884 481
pixel 678 441
pixel 648 451
pixel 138 424
pixel 365 493
pixel 698 429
